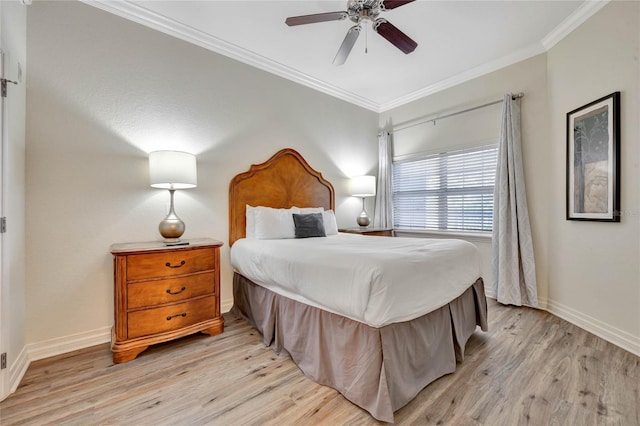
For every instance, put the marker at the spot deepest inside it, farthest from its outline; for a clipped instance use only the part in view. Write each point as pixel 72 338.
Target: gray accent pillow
pixel 309 225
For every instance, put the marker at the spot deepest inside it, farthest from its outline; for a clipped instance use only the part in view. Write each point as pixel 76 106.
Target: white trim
pixel 585 11
pixel 139 14
pixel 226 305
pixel 74 342
pixel 614 335
pixel 192 35
pixel 455 80
pixel 18 370
pixel 5 388
pixel 61 345
pixel 611 334
pixel 543 303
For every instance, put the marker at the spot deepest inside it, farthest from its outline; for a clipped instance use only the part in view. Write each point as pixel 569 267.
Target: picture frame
pixel 593 161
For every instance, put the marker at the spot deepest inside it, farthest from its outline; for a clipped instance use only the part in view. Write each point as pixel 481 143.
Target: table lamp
pixel 363 186
pixel 172 170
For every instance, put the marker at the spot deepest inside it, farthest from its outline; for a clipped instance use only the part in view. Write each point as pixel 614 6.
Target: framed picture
pixel 593 161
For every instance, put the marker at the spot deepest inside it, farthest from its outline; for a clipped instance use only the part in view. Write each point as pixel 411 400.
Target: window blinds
pixel 451 191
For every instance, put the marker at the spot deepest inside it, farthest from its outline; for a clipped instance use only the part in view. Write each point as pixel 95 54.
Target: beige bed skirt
pixel 378 369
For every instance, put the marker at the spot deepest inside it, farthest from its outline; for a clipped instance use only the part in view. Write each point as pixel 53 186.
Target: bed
pixel 379 353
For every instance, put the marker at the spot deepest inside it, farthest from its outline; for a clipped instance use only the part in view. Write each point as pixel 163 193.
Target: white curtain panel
pixel 514 269
pixel 383 212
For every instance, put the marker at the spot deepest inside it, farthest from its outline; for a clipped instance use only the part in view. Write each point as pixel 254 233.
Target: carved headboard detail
pixel 283 181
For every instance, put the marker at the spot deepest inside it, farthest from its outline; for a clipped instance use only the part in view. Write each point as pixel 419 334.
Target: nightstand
pixel 369 230
pixel 162 293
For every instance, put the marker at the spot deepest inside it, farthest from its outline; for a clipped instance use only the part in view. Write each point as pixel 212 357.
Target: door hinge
pixel 3 361
pixel 3 225
pixel 3 86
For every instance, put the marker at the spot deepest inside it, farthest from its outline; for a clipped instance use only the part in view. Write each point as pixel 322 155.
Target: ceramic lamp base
pixel 363 220
pixel 172 227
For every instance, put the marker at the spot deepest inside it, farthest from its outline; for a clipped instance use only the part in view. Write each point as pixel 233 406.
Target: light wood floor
pixel 531 368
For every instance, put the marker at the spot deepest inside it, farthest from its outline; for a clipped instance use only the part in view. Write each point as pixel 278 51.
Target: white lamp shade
pixel 172 170
pixel 363 186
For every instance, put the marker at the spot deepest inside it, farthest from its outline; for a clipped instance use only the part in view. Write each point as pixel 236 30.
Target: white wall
pixel 588 272
pixel 480 126
pixel 103 92
pixel 14 43
pixel 594 266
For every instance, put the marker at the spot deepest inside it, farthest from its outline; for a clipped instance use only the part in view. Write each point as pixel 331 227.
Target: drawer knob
pixel 168 264
pixel 184 314
pixel 177 292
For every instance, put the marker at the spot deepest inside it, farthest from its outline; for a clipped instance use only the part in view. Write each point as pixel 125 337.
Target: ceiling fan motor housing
pixel 360 10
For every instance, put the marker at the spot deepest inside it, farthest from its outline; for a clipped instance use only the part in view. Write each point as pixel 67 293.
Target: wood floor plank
pixel 530 368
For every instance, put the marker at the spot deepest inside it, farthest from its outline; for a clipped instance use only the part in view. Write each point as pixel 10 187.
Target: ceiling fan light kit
pixel 359 11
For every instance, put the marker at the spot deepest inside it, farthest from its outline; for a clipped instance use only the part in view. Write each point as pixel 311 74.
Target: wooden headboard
pixel 283 181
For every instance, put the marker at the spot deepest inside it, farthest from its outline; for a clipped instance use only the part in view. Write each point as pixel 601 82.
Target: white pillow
pixel 274 223
pixel 250 215
pixel 330 224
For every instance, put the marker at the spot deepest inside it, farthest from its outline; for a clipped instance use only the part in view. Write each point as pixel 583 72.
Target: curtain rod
pixel 453 114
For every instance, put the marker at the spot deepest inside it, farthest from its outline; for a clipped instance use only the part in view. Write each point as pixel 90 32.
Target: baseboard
pixel 61 345
pixel 18 369
pixel 543 303
pixel 611 334
pixel 226 305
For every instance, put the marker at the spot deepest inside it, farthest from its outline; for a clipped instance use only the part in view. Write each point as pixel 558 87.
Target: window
pixel 451 191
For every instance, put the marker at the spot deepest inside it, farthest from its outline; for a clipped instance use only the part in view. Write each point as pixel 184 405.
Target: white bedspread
pixel 375 280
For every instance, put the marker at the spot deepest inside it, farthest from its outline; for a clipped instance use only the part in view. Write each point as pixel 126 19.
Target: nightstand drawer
pixel 168 318
pixel 159 292
pixel 168 264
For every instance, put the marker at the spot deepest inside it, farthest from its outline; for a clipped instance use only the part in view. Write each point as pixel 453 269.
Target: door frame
pixel 4 328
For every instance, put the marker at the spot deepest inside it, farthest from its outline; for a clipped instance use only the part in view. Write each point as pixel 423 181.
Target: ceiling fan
pixel 359 11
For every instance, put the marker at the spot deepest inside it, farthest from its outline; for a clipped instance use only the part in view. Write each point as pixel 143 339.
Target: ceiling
pixel 457 40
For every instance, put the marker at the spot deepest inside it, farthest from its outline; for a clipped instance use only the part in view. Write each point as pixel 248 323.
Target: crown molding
pixel 192 35
pixel 585 11
pixel 478 71
pixel 143 16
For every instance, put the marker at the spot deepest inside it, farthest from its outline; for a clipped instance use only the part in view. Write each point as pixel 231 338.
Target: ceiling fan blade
pixel 392 4
pixel 318 17
pixel 347 45
pixel 394 36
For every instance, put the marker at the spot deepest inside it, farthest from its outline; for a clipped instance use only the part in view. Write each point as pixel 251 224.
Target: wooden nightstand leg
pixel 127 355
pixel 215 329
